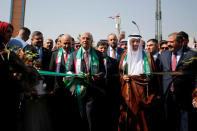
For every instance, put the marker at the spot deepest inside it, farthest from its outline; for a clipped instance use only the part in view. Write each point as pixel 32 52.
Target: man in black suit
pixel 39 100
pixel 177 89
pixel 59 63
pixel 44 55
pixel 112 85
pixel 87 60
pixel 60 58
pixel 114 51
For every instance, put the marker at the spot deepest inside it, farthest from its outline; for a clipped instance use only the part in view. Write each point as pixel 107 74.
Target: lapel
pixel 117 52
pixel 169 60
pixel 62 59
pixel 183 55
pixel 108 64
pixel 83 66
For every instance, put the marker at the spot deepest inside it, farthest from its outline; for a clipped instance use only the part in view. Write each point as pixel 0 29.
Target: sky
pixel 74 17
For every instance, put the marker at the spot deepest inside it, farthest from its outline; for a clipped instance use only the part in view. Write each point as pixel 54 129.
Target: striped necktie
pixel 173 65
pixel 86 60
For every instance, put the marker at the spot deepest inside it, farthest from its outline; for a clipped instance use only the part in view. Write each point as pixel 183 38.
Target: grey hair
pixel 89 35
pixel 174 33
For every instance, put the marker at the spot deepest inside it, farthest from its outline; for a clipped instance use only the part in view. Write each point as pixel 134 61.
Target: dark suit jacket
pixel 46 55
pixel 83 68
pixel 113 85
pixel 183 84
pixel 98 84
pixel 119 53
pixel 57 81
pixel 52 66
pixel 46 58
pixel 112 72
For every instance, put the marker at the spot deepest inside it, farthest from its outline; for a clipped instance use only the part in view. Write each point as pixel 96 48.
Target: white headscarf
pixel 135 58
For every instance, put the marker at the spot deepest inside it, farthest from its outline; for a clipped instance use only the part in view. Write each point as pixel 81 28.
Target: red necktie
pixel 86 60
pixel 174 60
pixel 65 57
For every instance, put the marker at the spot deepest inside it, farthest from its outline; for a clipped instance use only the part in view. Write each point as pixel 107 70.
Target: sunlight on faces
pixel 37 40
pixel 134 43
pixel 86 41
pixel 103 49
pixel 48 44
pixel 112 40
pixel 173 45
pixel 151 47
pixel 66 42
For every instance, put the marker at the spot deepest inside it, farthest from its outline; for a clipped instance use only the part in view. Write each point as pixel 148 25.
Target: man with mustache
pixel 177 89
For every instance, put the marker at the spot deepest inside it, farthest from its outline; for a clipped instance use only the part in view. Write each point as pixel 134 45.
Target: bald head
pixel 112 40
pixel 66 42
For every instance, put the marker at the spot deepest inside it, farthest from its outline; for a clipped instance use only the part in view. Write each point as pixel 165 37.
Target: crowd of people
pixel 119 85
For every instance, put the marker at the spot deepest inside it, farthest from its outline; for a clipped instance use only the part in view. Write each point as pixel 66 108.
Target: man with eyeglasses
pixel 36 47
pixel 163 46
pixel 114 51
pixel 87 60
pixel 38 101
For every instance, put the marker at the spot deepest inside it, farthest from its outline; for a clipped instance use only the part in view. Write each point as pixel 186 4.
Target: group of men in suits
pixel 104 87
pixel 95 95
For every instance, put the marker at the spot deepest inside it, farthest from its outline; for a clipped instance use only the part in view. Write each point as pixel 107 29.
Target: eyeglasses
pixel 164 48
pixel 67 43
pixel 112 39
pixel 87 38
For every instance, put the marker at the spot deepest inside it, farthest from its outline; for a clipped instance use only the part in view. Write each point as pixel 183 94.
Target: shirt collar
pixel 112 48
pixel 88 51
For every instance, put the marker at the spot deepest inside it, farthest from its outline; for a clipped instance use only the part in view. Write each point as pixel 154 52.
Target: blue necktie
pixel 40 53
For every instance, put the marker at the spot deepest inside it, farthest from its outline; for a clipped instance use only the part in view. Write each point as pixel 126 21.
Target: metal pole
pixel 156 21
pixel 158 24
pixel 136 26
pixel 118 25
